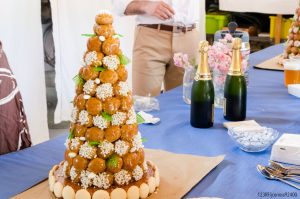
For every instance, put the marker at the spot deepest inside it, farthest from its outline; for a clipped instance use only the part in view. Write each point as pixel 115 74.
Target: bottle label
pixel 224 106
pixel 199 77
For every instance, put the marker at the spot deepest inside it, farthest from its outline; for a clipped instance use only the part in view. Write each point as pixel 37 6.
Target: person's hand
pixel 159 9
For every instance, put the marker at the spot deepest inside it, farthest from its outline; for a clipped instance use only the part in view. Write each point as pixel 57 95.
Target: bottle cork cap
pixel 203 46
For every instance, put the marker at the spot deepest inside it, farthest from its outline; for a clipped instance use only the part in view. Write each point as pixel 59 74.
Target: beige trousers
pixel 153 59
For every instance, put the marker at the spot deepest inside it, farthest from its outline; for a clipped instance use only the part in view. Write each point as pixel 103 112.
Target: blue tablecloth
pixel 268 103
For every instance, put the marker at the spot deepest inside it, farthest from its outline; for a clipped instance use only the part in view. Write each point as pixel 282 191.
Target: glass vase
pixel 219 81
pixel 188 79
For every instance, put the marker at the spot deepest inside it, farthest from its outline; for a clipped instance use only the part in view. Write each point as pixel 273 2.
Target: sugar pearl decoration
pixel 83 117
pixel 89 86
pixel 137 173
pixel 137 143
pixel 118 118
pixel 131 117
pixel 87 151
pixel 121 147
pixel 85 179
pixel 111 62
pixel 122 177
pixel 104 91
pixel 74 115
pixel 124 88
pixel 100 122
pixel 101 181
pixel 106 148
pixel 65 165
pixel 73 173
pixel 75 142
pixel 90 58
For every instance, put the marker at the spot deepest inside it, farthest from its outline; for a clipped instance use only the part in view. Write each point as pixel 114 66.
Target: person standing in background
pixel 14 134
pixel 163 28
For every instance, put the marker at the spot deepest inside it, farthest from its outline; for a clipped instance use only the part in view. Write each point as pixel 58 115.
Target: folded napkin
pixel 287 149
pixel 148 118
pixel 245 124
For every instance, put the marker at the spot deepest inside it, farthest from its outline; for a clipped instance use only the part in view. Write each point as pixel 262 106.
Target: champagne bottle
pixel 202 99
pixel 235 90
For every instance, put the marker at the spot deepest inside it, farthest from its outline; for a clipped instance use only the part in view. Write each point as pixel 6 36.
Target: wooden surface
pixel 178 175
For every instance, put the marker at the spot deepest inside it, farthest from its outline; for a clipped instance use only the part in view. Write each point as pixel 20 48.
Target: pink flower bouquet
pixel 219 61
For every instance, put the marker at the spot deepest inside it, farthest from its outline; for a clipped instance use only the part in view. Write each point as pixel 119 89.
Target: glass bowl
pixel 253 139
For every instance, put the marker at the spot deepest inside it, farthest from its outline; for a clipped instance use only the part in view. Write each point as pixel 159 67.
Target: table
pixel 277 7
pixel 236 177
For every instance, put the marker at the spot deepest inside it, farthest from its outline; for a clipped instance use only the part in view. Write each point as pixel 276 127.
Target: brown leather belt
pixel 176 29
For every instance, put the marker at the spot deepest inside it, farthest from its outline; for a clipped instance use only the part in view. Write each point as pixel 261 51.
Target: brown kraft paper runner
pixel 271 64
pixel 179 173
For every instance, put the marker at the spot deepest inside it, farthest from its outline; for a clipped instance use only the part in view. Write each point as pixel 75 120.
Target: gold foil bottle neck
pixel 203 46
pixel 236 61
pixel 203 72
pixel 236 44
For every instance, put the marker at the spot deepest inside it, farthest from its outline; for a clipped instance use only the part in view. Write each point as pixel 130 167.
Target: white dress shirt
pixel 186 12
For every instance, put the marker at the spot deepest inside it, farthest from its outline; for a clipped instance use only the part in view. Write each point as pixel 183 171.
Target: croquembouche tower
pixel 293 42
pixel 104 156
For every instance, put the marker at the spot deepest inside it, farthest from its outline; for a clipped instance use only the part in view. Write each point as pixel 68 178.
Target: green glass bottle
pixel 202 99
pixel 235 89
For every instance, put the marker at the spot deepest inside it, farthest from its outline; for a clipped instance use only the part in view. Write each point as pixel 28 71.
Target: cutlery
pixel 287 170
pixel 261 169
pixel 279 174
